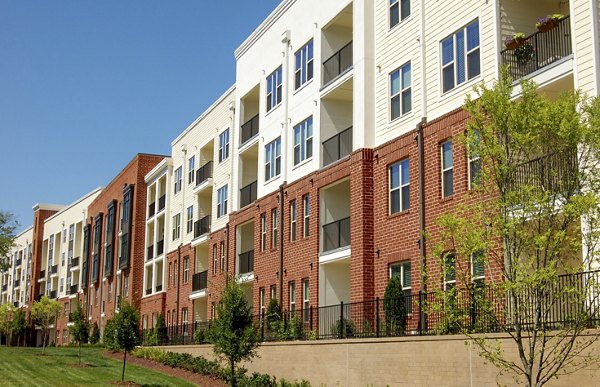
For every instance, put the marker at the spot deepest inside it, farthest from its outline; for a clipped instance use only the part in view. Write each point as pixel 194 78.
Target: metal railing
pixel 53 294
pixel 75 262
pixel 160 247
pixel 4 287
pixel 556 173
pixel 204 173
pixel 149 252
pixel 162 201
pixel 42 274
pixel 184 334
pixel 539 50
pixel 19 262
pixel 151 209
pixel 202 226
pixel 246 261
pixel 336 234
pixel 200 281
pixel 337 64
pixel 54 269
pixel 337 147
pixel 249 129
pixel 74 289
pixel 248 194
pixel 158 288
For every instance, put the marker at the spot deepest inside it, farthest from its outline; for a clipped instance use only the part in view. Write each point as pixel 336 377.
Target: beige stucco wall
pixel 409 361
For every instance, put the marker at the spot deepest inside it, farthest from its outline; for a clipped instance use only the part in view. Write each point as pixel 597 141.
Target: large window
pixel 273 159
pixel 474 160
pixel 191 169
pixel 447 169
pixel 176 226
pixel 274 228
pixel 399 186
pixel 402 270
pixel 222 194
pixel 178 177
pixel 190 220
pixel 224 145
pixel 460 56
pixel 263 232
pixel 292 296
pixel 305 299
pixel 400 91
pixel 293 220
pixel 274 89
pixel 186 269
pixel 399 10
pixel 306 216
pixel 303 141
pixel 304 65
pixel 222 245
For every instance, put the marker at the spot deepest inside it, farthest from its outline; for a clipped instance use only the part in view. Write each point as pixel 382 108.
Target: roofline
pixel 47 206
pixel 263 27
pixel 97 190
pixel 204 114
pixel 165 163
pixel 24 231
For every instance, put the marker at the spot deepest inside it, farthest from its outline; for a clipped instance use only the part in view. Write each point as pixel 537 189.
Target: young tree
pixel 7 314
pixel 44 314
pixel 233 335
pixel 19 324
pixel 394 307
pixel 8 225
pixel 80 329
pixel 126 330
pixel 95 335
pixel 533 221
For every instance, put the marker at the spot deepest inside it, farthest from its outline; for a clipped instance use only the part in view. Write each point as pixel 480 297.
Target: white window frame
pixel 274 89
pixel 292 295
pixel 215 264
pixel 176 226
pixel 403 92
pixel 473 159
pixel 261 301
pixel 474 277
pixel 222 199
pixel 447 169
pixel 222 248
pixel 273 159
pixel 191 169
pixel 466 53
pixel 306 216
pixel 303 141
pixel 263 231
pixel 396 6
pixel 403 269
pixel 178 179
pixel 224 145
pixel 401 187
pixel 274 228
pixel 293 223
pixel 190 219
pixel 186 269
pixel 306 298
pixel 304 68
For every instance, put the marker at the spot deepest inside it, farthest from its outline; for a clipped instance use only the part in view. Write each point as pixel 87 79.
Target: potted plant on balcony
pixel 546 23
pixel 515 41
pixel 524 53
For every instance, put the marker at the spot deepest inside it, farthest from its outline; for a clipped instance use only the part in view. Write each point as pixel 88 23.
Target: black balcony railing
pixel 16 304
pixel 151 209
pixel 160 248
pixel 202 226
pixel 184 334
pixel 53 294
pixel 16 283
pixel 4 287
pixel 42 274
pixel 246 262
pixel 75 262
pixel 337 147
pixel 336 234
pixel 248 194
pixel 249 129
pixel 204 173
pixel 74 289
pixel 19 262
pixel 539 50
pixel 54 269
pixel 149 252
pixel 162 202
pixel 200 281
pixel 554 173
pixel 337 64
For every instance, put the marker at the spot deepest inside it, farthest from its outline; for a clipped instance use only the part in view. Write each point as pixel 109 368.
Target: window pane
pixel 450 270
pixel 394 176
pixel 473 63
pixel 405 171
pixel 447 50
pixel 396 270
pixel 473 35
pixel 406 71
pixel 395 107
pixel 448 75
pixel 475 172
pixel 406 101
pixel 478 264
pixel 406 279
pixel 447 154
pixel 405 198
pixel 460 57
pixel 405 11
pixel 309 148
pixel 394 15
pixel 394 83
pixel 448 183
pixel 395 201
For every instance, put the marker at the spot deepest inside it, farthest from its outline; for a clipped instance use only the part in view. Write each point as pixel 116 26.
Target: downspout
pixel 422 247
pixel 181 219
pixel 281 239
pixel 178 282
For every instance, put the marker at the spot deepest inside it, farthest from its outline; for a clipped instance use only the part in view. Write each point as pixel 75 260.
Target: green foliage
pixel 43 313
pixel 80 330
pixel 109 336
pixel 95 335
pixel 126 330
pixel 19 323
pixel 343 328
pixel 8 225
pixel 7 314
pixel 394 307
pixel 201 336
pixel 233 334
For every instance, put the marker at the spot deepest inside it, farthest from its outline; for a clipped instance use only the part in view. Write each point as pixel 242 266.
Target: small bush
pixel 343 328
pixel 109 337
pixel 201 336
pixel 95 335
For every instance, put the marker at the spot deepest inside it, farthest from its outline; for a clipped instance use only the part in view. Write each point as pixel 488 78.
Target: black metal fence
pixel 248 194
pixel 184 334
pixel 339 62
pixel 555 172
pixel 249 129
pixel 337 147
pixel 204 173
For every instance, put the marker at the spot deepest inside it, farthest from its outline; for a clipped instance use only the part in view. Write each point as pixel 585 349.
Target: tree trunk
pixel 43 343
pixel 124 359
pixel 79 352
pixel 233 381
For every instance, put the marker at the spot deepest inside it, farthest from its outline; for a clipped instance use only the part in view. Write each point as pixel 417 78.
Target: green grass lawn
pixel 27 367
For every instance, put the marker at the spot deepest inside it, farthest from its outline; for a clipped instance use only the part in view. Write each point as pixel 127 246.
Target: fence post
pixel 262 325
pixel 311 318
pixel 421 322
pixel 377 315
pixel 341 331
pixel 473 309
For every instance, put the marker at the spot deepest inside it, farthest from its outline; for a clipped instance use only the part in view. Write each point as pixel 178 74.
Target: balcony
pixel 54 270
pixel 151 209
pixel 200 281
pixel 249 130
pixel 201 230
pixel 73 289
pixel 160 248
pixel 74 262
pixel 248 194
pixel 337 64
pixel 42 275
pixel 246 262
pixel 16 283
pixel 337 147
pixel 149 252
pixel 4 288
pixel 203 177
pixel 19 262
pixel 336 235
pixel 554 173
pixel 540 49
pixel 53 294
pixel 162 202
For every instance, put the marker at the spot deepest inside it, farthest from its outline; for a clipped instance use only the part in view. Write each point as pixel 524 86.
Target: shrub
pixel 109 337
pixel 394 307
pixel 201 336
pixel 95 336
pixel 343 328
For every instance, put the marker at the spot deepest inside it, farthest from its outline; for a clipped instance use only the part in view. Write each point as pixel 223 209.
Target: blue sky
pixel 86 84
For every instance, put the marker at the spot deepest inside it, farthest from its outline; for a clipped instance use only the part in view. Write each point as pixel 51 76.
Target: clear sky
pixel 87 84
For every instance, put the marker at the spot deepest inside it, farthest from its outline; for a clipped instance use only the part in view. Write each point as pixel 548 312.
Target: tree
pixel 8 225
pixel 80 329
pixel 95 336
pixel 126 331
pixel 394 307
pixel 7 314
pixel 533 220
pixel 43 313
pixel 233 335
pixel 19 324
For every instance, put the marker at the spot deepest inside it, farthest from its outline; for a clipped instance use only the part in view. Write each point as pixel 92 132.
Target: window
pixel 170 274
pixel 401 270
pixel 191 167
pixel 64 235
pixel 190 219
pixel 304 65
pixel 478 266
pixel 263 232
pixel 460 56
pixel 449 271
pixel 222 201
pixel 213 310
pixel 126 286
pixel 303 141
pixel 261 300
pixel 222 256
pixel 273 292
pixel 215 260
pixel 176 226
pixel 474 160
pixel 184 318
pixel 400 92
pixel 447 169
pixel 305 299
pixel 274 89
pixel 273 159
pixel 306 220
pixel 110 291
pixel 292 295
pixel 293 220
pixel 186 269
pixel 178 177
pixel 274 227
pixel 399 10
pixel 400 186
pixel 224 145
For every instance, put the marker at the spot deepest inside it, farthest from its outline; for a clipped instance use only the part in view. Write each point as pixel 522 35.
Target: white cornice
pixel 65 208
pixel 159 169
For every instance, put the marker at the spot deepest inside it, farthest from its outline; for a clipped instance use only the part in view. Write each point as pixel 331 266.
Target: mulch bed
pixel 201 380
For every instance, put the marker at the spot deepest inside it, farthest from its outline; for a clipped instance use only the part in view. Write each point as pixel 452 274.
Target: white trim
pixel 335 255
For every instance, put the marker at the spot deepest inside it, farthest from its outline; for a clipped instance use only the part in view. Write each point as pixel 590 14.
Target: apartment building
pixel 16 281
